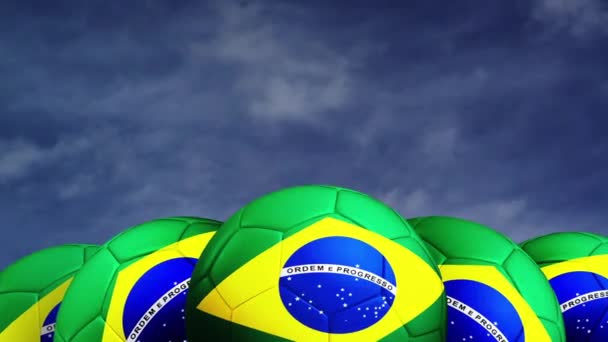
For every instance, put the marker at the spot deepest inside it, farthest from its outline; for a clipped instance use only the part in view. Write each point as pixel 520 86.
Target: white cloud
pixel 579 17
pixel 499 213
pixel 440 144
pixel 426 104
pixel 18 157
pixel 507 215
pixel 77 186
pixel 239 62
pixel 177 148
pixel 412 203
pixel 278 75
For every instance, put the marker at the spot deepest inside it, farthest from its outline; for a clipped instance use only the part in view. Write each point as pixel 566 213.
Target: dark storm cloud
pixel 114 115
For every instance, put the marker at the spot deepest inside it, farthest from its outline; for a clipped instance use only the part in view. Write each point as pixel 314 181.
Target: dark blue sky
pixel 112 114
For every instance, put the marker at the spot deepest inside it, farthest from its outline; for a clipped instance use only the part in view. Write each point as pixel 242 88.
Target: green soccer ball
pixel 31 291
pixel 495 291
pixel 315 263
pixel 134 288
pixel 576 265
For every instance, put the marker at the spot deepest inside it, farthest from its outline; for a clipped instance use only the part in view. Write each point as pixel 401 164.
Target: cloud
pixel 421 202
pixel 198 110
pixel 281 72
pixel 77 186
pixel 518 217
pixel 236 63
pixel 508 215
pixel 579 17
pixel 18 157
pixel 417 201
pixel 440 144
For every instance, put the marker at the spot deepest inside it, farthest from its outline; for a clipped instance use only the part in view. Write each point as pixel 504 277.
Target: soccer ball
pixel 134 288
pixel 315 263
pixel 495 292
pixel 32 289
pixel 576 265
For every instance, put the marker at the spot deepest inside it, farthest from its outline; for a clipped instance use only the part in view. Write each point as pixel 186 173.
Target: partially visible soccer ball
pixel 31 291
pixel 576 265
pixel 315 263
pixel 134 288
pixel 495 291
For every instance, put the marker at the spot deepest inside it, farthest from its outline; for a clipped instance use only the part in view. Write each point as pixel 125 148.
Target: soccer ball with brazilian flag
pixel 576 265
pixel 495 292
pixel 315 263
pixel 31 291
pixel 134 288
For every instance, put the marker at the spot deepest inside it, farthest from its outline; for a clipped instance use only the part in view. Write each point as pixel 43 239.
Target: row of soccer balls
pixel 311 263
